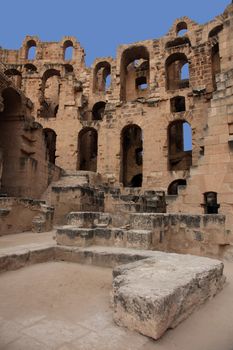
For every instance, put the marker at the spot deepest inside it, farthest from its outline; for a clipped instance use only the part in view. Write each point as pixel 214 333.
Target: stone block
pixel 155 294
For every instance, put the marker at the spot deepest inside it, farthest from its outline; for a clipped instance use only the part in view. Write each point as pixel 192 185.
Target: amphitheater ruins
pixel 129 160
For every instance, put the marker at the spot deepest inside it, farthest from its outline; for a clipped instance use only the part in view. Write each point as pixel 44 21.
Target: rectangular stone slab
pixel 157 293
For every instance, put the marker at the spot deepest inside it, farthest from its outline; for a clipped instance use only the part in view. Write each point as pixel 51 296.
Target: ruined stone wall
pixel 146 80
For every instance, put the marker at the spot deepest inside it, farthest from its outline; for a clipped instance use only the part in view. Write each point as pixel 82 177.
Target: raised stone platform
pixel 155 294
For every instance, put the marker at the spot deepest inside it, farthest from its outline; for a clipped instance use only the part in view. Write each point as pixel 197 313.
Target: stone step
pixel 89 219
pixel 71 235
pixel 118 237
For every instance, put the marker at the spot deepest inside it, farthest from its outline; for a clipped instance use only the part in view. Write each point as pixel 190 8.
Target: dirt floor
pixel 61 306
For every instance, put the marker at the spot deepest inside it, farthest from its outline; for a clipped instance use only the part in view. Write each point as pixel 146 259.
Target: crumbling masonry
pixel 107 144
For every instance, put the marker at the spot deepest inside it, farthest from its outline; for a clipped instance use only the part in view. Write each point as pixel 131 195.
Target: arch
pixel 87 149
pixel 177 71
pixel 177 104
pixel 173 187
pixel 98 110
pixel 135 64
pixel 68 49
pixel 12 102
pixel 181 28
pixel 131 156
pixel 50 140
pixel 179 145
pixel 215 31
pixel 30 68
pixel 102 76
pixel 15 76
pixel 31 50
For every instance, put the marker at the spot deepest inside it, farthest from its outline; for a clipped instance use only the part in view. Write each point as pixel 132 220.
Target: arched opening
pixel 15 76
pixel 68 50
pixel 31 50
pixel 179 145
pixel 87 149
pixel 50 93
pixel 131 156
pixel 181 28
pixel 135 73
pixel 68 69
pixel 215 60
pixel 177 104
pixel 50 141
pixel 177 71
pixel 215 31
pixel 173 187
pixel 10 137
pixel 30 68
pixel 98 110
pixel 102 77
pixel 12 103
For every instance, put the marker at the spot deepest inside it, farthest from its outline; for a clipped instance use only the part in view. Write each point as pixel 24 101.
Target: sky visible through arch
pixel 99 25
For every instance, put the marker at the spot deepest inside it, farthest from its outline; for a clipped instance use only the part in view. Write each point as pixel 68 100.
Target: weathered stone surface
pixel 158 293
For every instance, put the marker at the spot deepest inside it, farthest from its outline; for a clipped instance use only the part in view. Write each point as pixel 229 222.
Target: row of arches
pixel 131 172
pixel 31 50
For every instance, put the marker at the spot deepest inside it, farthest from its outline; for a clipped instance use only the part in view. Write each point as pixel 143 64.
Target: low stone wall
pixel 181 233
pixel 24 214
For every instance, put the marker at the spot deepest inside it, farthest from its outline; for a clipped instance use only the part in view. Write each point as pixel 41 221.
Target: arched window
pixel 131 156
pixel 135 73
pixel 68 50
pixel 102 77
pixel 87 149
pixel 215 61
pixel 15 76
pixel 31 50
pixel 177 71
pixel 178 104
pixel 98 110
pixel 50 91
pixel 50 141
pixel 181 28
pixel 173 187
pixel 179 145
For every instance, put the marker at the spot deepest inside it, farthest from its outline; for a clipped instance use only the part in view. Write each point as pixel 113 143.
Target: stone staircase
pixel 95 228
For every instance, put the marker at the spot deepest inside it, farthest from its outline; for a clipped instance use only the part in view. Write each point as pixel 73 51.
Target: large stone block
pixel 155 294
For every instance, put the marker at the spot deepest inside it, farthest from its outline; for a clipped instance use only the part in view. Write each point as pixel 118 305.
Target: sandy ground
pixel 61 306
pixel 25 238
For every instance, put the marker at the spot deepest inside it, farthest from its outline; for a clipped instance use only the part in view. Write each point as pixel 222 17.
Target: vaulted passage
pixel 87 149
pixel 50 140
pixel 131 156
pixel 9 140
pixel 173 187
pixel 135 67
pixel 179 145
